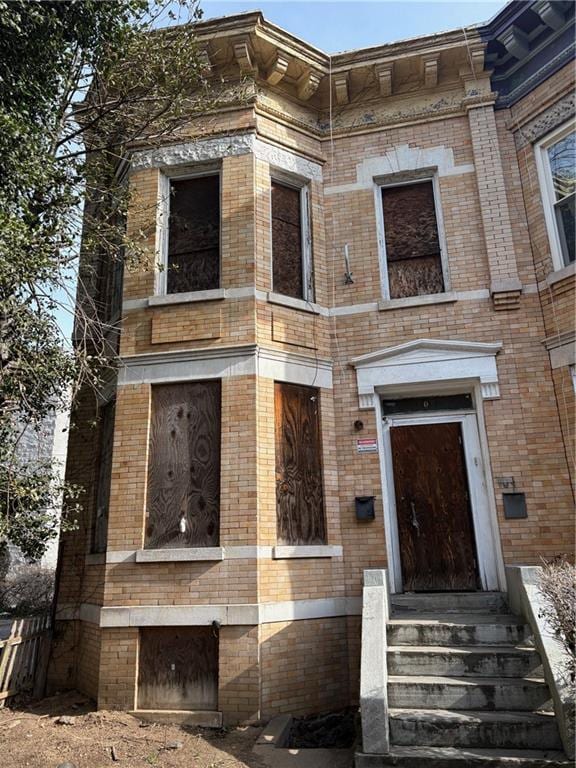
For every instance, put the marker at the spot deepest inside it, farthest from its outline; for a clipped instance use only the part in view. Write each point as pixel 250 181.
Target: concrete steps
pixel 473 660
pixel 469 693
pixel 451 602
pixel 452 728
pixel 465 687
pixel 450 757
pixel 455 629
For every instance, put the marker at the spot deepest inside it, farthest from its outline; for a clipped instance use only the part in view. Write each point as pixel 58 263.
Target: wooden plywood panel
pixel 299 496
pixel 435 528
pixel 184 466
pixel 194 235
pixel 415 277
pixel 412 242
pixel 287 241
pixel 178 668
pixel 186 323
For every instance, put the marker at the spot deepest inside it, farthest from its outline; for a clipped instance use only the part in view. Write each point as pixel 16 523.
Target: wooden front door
pixel 435 526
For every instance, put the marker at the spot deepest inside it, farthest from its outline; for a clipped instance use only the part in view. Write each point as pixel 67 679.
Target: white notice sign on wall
pixel 367 445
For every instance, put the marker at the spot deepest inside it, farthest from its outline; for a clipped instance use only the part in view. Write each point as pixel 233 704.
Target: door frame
pixel 487 541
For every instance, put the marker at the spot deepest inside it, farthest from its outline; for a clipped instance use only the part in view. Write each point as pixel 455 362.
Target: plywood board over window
pixel 287 260
pixel 299 496
pixel 178 668
pixel 194 235
pixel 184 466
pixel 412 244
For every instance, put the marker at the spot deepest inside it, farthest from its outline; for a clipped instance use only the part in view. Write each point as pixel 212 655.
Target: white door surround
pixel 432 367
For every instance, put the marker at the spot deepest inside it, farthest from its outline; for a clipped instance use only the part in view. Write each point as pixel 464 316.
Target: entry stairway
pixel 466 686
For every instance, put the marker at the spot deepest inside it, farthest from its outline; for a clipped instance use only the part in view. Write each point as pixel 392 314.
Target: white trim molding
pixel 401 159
pixel 427 361
pixel 225 362
pixel 244 614
pixel 248 552
pixel 217 147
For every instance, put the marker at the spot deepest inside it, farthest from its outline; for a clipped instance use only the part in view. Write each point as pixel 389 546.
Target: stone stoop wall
pixel 311 664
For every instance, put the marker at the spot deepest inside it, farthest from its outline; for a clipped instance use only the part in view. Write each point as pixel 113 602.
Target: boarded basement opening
pixel 178 668
pixel 184 466
pixel 194 235
pixel 412 243
pixel 299 497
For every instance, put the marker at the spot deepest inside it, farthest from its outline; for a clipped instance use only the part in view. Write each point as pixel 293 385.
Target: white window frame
pixel 303 186
pixel 381 183
pixel 163 222
pixel 547 190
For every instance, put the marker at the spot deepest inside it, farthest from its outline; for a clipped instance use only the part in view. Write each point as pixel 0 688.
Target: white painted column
pixel 373 669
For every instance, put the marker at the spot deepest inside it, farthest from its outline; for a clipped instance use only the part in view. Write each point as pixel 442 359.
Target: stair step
pixel 451 602
pixel 447 757
pixel 490 693
pixel 477 660
pixel 506 730
pixel 456 629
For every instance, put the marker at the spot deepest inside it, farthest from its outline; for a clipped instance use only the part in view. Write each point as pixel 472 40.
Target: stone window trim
pixel 402 179
pixel 166 176
pixel 301 183
pixel 547 191
pixel 216 554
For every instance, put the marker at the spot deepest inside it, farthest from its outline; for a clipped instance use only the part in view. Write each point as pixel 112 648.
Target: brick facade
pixel 289 628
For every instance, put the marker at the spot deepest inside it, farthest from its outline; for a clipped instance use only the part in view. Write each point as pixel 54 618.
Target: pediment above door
pixel 436 362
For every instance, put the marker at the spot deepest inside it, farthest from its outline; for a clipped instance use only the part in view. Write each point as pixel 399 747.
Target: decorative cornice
pixel 545 122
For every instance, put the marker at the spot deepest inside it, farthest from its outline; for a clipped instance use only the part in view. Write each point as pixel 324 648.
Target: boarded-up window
pixel 103 478
pixel 412 243
pixel 184 466
pixel 178 668
pixel 287 263
pixel 299 497
pixel 194 235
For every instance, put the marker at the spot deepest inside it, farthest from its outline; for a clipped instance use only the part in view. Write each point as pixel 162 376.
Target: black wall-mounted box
pixel 364 507
pixel 514 506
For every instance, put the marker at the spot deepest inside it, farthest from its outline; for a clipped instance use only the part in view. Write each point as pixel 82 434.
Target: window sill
pixel 179 555
pixel 303 551
pixel 186 298
pixel 416 301
pixel 95 558
pixel 561 274
pixel 290 301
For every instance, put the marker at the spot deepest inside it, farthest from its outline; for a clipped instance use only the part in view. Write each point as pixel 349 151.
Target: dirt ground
pixel 31 737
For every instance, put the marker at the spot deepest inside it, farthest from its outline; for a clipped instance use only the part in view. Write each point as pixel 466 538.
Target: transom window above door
pixel 410 241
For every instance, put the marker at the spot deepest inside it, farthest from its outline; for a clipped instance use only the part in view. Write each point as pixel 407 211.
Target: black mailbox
pixel 514 506
pixel 364 507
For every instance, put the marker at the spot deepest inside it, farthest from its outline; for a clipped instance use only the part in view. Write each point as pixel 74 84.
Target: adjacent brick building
pixel 360 354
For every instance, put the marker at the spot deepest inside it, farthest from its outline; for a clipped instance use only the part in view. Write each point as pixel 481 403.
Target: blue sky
pixel 339 26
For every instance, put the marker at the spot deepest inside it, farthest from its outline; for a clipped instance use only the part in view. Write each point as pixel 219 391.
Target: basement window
pixel 193 249
pixel 299 495
pixel 183 499
pixel 291 242
pixel 556 161
pixel 410 241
